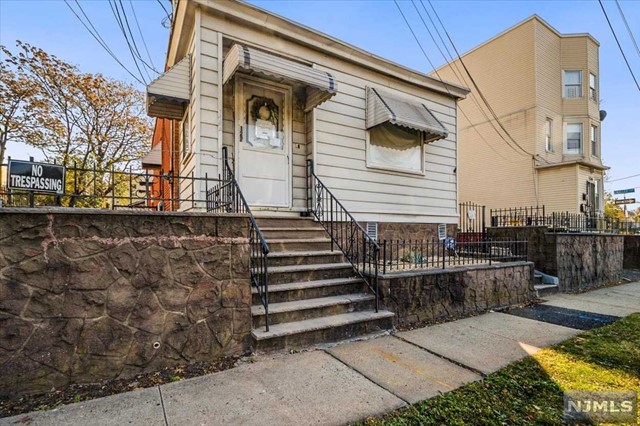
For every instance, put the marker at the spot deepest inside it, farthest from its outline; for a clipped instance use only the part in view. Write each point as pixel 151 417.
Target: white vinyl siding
pixel 185 138
pixel 572 84
pixel 573 138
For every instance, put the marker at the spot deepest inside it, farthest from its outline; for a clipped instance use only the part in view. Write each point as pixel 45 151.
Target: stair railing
pixel 226 197
pixel 362 251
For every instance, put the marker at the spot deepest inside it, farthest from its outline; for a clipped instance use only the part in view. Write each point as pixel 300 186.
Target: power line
pixel 135 17
pixel 626 24
pixel 618 43
pixel 116 14
pixel 164 8
pixel 133 40
pixel 98 38
pixel 623 178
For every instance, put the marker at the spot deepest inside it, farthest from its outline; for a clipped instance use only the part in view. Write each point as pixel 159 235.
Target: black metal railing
pixel 562 221
pixel 116 189
pixel 226 197
pixel 472 226
pixel 345 232
pixel 403 255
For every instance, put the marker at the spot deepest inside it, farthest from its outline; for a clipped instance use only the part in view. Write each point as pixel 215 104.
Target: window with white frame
pixel 572 84
pixel 593 94
pixel 185 138
pixel 573 138
pixel 548 134
pixel 594 140
pixel 395 147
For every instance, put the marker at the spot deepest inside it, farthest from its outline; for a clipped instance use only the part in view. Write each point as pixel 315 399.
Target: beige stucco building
pixel 544 88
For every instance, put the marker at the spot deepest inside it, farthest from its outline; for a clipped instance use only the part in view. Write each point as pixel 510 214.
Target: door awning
pixel 383 107
pixel 168 95
pixel 153 159
pixel 320 85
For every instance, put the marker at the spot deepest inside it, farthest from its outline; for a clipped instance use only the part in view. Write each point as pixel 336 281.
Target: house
pixel 544 88
pixel 277 94
pixel 306 125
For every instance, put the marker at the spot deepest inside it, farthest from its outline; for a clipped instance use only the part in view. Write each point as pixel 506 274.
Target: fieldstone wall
pixel 430 295
pixel 631 252
pixel 413 231
pixel 93 295
pixel 580 261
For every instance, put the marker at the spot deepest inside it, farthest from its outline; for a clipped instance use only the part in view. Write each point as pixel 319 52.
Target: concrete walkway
pixel 344 383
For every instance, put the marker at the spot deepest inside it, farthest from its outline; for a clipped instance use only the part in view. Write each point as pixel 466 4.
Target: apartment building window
pixel 573 137
pixel 594 141
pixel 548 132
pixel 593 94
pixel 573 84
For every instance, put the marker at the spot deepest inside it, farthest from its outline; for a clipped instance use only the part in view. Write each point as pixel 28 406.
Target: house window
pixel 185 138
pixel 573 138
pixel 573 84
pixel 548 131
pixel 594 141
pixel 395 147
pixel 593 95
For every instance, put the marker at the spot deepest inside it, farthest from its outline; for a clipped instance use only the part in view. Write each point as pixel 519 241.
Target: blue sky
pixel 375 26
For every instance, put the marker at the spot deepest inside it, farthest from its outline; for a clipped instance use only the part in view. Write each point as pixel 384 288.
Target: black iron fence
pixel 472 226
pixel 403 255
pixel 345 232
pixel 113 189
pixel 226 197
pixel 561 221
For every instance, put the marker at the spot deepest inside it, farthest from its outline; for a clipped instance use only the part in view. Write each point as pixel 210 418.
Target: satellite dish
pixel 603 114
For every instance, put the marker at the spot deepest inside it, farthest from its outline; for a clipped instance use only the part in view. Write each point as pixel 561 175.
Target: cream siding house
pixel 232 68
pixel 543 86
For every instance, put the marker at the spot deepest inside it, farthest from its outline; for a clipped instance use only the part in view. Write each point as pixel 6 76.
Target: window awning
pixel 383 107
pixel 320 85
pixel 168 95
pixel 153 159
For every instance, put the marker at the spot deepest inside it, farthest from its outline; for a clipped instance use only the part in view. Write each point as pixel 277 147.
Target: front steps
pixel 314 295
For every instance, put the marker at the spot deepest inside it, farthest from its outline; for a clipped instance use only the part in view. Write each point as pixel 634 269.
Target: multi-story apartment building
pixel 544 88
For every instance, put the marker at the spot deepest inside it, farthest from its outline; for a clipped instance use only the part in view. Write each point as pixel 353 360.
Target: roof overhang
pixel 574 163
pixel 384 107
pixel 320 85
pixel 169 94
pixel 153 159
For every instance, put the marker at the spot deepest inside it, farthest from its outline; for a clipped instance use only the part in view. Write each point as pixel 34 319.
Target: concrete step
pixel 322 271
pixel 305 309
pixel 287 258
pixel 310 290
pixel 333 328
pixel 286 222
pixel 293 233
pixel 543 290
pixel 537 278
pixel 302 244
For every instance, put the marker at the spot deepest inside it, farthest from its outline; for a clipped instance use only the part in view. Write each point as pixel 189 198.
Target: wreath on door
pixel 265 109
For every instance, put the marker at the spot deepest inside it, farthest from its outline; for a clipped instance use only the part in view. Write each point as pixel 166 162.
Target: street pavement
pixel 346 382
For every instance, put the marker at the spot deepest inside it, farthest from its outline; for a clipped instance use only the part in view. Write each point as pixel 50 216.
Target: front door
pixel 263 129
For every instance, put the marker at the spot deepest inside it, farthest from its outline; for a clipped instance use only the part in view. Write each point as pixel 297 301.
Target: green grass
pixel 530 391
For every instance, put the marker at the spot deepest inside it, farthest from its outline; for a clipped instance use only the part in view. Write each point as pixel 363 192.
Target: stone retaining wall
pixel 93 295
pixel 580 261
pixel 429 295
pixel 631 252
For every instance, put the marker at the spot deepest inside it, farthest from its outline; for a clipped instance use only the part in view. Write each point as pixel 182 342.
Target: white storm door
pixel 263 130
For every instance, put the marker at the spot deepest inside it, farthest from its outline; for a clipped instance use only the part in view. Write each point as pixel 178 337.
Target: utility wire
pixel 626 24
pixel 164 8
pixel 623 178
pixel 133 41
pixel 618 43
pixel 442 81
pixel 135 17
pixel 99 39
pixel 116 14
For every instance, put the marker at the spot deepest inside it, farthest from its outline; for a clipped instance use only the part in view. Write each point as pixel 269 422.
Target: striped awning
pixel 153 159
pixel 169 94
pixel 320 85
pixel 383 107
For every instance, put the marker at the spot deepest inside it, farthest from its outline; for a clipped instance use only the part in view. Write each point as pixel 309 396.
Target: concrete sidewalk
pixel 344 383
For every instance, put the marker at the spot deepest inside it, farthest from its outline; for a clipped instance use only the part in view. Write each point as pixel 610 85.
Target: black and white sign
pixel 37 177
